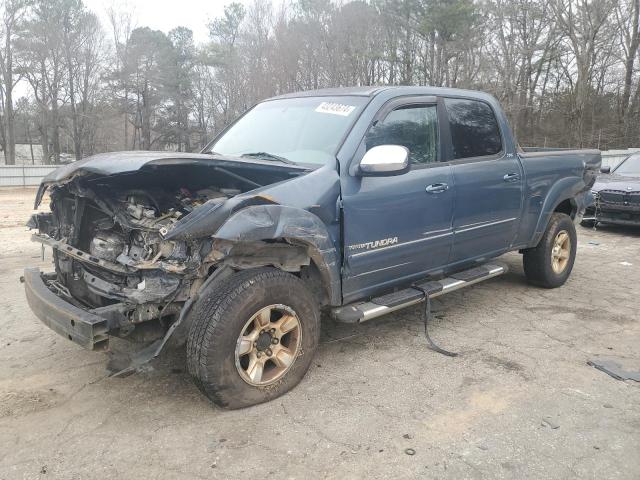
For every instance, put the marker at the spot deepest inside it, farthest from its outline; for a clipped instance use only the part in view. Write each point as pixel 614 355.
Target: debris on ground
pixel 548 421
pixel 614 369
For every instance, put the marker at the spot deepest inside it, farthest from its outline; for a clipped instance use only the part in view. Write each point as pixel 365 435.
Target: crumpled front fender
pixel 267 222
pixel 208 218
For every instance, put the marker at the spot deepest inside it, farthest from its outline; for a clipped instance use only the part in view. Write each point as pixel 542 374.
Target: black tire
pixel 538 261
pixel 219 318
pixel 588 223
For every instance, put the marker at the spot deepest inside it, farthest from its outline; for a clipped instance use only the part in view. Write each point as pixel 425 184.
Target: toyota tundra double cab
pixel 354 201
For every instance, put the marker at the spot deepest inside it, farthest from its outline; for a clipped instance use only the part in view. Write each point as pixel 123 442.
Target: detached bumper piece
pixel 78 325
pixel 363 311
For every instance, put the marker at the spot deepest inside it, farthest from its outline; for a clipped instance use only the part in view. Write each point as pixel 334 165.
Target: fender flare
pixel 565 189
pixel 273 221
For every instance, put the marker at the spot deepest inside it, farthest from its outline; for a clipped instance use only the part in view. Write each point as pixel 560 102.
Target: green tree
pixel 148 65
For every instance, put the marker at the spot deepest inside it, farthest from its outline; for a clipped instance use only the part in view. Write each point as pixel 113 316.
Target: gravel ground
pixel 520 402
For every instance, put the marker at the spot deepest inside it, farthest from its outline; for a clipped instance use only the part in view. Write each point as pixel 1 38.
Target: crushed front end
pixel 114 272
pixel 137 237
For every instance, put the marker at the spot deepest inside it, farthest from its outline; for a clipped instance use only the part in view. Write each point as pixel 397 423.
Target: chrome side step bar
pixel 362 311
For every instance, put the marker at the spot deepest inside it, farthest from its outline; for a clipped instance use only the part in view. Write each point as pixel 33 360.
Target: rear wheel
pixel 253 337
pixel 550 263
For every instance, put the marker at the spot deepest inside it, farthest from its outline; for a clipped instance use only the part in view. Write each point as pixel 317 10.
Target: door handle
pixel 511 177
pixel 437 188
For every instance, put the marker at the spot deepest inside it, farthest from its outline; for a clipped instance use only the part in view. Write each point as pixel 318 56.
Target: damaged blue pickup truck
pixel 356 201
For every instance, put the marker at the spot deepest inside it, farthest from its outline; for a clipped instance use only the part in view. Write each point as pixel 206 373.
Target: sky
pixel 165 15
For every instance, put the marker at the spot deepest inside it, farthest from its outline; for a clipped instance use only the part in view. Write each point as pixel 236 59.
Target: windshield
pixel 300 130
pixel 630 167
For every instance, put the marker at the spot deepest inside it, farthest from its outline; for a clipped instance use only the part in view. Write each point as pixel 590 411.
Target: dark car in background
pixel 616 195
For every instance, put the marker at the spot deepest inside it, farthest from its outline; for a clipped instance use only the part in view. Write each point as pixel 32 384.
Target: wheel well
pixel 297 258
pixel 313 278
pixel 567 206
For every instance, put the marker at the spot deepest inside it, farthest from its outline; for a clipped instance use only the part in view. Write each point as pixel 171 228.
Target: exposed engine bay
pixel 109 246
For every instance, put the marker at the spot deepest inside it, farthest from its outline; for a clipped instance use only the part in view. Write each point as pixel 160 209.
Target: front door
pixel 398 228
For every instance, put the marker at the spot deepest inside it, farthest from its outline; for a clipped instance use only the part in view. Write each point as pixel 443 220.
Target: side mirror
pixel 605 169
pixel 385 160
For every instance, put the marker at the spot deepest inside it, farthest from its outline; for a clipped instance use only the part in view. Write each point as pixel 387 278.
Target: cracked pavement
pixel 373 391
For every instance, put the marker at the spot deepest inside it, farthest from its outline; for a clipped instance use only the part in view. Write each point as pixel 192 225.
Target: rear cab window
pixel 474 128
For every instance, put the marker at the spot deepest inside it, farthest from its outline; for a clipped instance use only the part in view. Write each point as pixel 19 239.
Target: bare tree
pixel 526 41
pixel 12 12
pixel 566 71
pixel 81 37
pixel 122 24
pixel 583 22
pixel 627 14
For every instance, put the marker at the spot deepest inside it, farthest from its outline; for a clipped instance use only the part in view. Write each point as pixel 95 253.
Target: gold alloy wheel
pixel 561 251
pixel 268 345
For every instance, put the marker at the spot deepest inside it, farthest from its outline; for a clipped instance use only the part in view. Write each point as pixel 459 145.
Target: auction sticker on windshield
pixel 335 109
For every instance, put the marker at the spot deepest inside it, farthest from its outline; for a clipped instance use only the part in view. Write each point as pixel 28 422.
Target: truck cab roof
pixel 388 92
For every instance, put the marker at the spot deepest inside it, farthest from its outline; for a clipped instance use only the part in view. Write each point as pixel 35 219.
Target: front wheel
pixel 253 337
pixel 549 264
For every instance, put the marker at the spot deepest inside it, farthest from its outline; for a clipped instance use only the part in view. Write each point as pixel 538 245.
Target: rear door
pixel 396 228
pixel 488 182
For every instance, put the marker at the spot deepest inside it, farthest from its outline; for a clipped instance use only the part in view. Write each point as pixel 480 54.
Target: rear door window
pixel 412 126
pixel 474 128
